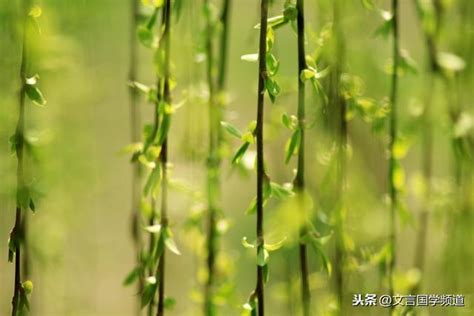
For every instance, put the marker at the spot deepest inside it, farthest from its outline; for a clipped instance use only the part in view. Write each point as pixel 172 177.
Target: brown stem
pixel 164 156
pixel 17 231
pixel 393 137
pixel 262 73
pixel 300 175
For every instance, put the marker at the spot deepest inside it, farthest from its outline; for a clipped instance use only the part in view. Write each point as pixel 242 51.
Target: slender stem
pixel 300 175
pixel 164 156
pixel 212 166
pixel 340 104
pixel 17 231
pixel 262 74
pixel 427 145
pixel 135 126
pixel 393 138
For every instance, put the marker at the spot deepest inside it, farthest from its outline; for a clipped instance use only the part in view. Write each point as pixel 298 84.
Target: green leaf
pixel 319 250
pixel 34 94
pixel 27 287
pixel 293 144
pixel 153 180
pixel 240 153
pixel 148 293
pixel 266 274
pixel 262 256
pixel 169 303
pixel 23 197
pixel 290 12
pixel 154 229
pixel 307 74
pixel 272 87
pixel 249 57
pixel 368 4
pixel 246 244
pixel 146 36
pixel 231 129
pixel 272 64
pixel 450 62
pixel 169 241
pixel 280 192
pixel 24 304
pixel 275 246
pixel 32 205
pixel 387 26
pixel 274 22
pixel 132 276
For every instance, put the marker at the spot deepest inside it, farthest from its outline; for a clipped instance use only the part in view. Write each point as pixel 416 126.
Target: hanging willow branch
pixel 262 75
pixel 393 138
pixel 17 241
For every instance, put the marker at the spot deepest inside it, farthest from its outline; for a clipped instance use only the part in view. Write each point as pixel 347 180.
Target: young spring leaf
pixel 240 153
pixel 275 246
pixel 148 293
pixel 34 94
pixel 153 181
pixel 280 192
pixel 319 250
pixel 231 129
pixel 169 303
pixel 272 64
pixel 27 287
pixel 246 244
pixel 272 87
pixel 262 256
pixel 292 145
pixel 132 276
pixel 249 57
pixel 169 241
pixel 145 36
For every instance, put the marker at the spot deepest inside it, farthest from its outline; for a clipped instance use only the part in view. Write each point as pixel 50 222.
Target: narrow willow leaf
pixel 148 293
pixel 250 57
pixel 169 303
pixel 34 94
pixel 280 192
pixel 290 12
pixel 231 129
pixel 319 250
pixel 292 145
pixel 154 229
pixel 266 274
pixel 274 22
pixel 451 62
pixel 153 181
pixel 169 241
pixel 246 244
pixel 146 36
pixel 262 256
pixel 132 276
pixel 275 246
pixel 240 153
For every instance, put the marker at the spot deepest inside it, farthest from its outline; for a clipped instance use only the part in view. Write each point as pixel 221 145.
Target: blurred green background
pixel 80 242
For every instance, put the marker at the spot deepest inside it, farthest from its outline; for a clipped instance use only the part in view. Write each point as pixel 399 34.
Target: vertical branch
pixel 164 156
pixel 427 137
pixel 212 166
pixel 300 175
pixel 135 128
pixel 393 138
pixel 340 104
pixel 216 91
pixel 262 75
pixel 17 232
